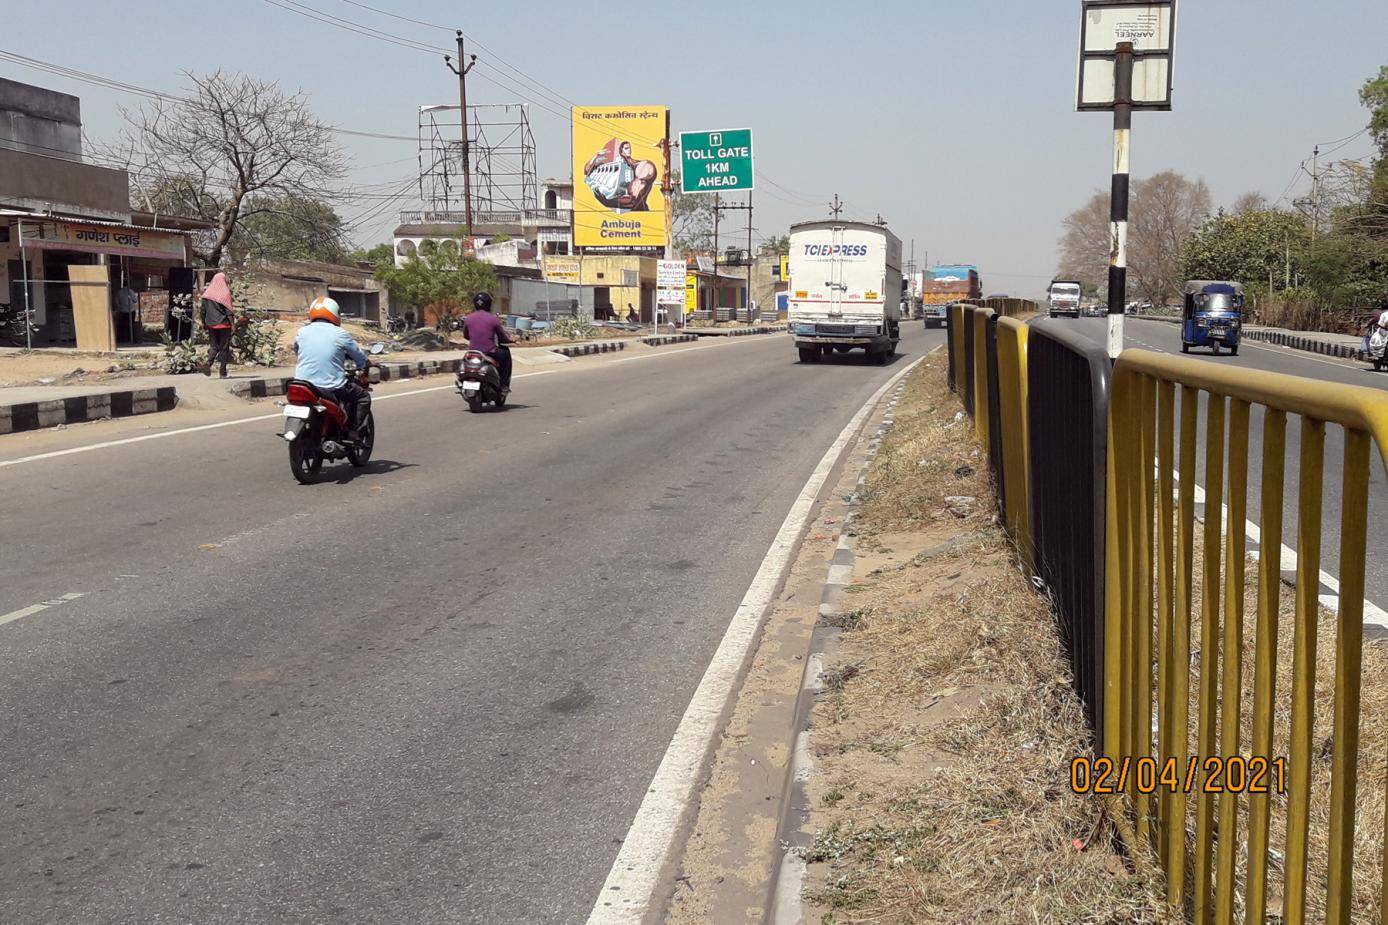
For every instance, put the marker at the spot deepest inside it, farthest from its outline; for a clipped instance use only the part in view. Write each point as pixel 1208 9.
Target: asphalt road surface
pixel 433 690
pixel 1164 337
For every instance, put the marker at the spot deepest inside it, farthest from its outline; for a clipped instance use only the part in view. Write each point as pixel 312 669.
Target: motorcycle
pixel 479 381
pixel 315 426
pixel 1378 347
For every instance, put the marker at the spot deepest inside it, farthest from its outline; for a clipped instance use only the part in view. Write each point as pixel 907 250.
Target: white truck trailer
pixel 845 289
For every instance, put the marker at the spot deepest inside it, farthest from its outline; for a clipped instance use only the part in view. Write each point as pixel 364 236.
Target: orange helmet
pixel 325 309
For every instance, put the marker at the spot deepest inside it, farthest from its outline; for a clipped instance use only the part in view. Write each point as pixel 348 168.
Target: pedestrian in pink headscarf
pixel 217 318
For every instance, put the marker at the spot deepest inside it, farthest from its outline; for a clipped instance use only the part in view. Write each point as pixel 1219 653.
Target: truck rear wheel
pixel 809 354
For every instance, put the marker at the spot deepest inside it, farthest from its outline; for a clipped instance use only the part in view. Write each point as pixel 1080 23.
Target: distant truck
pixel 845 289
pixel 945 285
pixel 1064 298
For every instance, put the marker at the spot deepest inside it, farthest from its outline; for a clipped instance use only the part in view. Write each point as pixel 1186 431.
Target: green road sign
pixel 716 162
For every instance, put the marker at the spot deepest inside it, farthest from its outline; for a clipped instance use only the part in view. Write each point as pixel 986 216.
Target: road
pixel 434 690
pixel 1154 335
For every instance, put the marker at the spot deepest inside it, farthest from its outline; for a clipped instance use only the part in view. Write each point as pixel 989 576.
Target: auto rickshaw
pixel 1212 315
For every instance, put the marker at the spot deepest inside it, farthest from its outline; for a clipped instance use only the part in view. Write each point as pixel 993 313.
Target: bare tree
pixel 1163 210
pixel 1252 201
pixel 230 149
pixel 1084 244
pixel 1168 208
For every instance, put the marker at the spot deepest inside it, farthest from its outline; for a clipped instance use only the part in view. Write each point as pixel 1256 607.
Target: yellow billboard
pixel 619 169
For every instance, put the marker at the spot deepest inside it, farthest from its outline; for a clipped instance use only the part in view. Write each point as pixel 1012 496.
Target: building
pixel 290 286
pixel 546 230
pixel 73 254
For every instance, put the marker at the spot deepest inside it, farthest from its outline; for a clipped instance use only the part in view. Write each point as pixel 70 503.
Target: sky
pixel 955 121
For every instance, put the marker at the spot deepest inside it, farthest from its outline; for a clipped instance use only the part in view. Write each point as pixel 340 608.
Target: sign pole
pixel 1118 196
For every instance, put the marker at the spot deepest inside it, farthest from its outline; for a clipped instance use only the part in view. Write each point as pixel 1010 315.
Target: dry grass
pixel 942 785
pixel 1373 749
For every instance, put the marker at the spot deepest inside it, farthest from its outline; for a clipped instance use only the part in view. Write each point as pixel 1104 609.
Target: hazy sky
pixel 955 120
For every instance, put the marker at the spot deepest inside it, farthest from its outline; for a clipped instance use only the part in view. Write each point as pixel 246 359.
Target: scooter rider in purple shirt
pixel 485 332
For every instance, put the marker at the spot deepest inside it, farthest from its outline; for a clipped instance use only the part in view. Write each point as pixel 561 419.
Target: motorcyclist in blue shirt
pixel 323 349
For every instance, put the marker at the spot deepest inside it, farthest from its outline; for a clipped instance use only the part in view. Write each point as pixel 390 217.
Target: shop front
pixel 91 284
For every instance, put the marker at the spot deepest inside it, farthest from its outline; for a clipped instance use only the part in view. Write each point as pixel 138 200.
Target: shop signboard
pixel 94 238
pixel 561 269
pixel 619 160
pixel 691 293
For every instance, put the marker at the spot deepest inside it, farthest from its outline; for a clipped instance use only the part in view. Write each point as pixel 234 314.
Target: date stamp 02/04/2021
pixel 1235 774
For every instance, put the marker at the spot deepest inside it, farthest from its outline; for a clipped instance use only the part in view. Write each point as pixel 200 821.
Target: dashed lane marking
pixel 32 609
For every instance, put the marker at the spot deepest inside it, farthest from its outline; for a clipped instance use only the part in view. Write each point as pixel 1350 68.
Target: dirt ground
pixel 68 367
pixel 943 744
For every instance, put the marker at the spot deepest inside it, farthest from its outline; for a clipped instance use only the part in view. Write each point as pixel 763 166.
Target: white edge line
pixel 631 884
pixel 1373 614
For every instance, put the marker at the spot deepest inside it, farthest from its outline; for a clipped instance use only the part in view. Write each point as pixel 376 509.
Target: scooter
pixel 315 427
pixel 479 382
pixel 1378 347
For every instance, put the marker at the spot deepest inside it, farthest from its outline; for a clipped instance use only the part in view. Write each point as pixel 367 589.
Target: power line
pixel 350 26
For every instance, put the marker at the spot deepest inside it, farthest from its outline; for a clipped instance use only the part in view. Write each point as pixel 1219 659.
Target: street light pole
pixel 1118 196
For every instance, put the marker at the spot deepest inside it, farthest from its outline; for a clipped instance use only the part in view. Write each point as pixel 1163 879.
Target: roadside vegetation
pixel 943 744
pixel 943 740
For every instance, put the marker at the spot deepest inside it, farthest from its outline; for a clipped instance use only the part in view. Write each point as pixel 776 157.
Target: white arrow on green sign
pixel 716 162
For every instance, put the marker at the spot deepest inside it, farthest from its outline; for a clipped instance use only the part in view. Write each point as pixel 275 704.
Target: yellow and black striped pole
pixel 1118 197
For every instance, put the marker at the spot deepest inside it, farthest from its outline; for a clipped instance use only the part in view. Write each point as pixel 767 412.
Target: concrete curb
pixel 660 340
pixel 77 409
pixel 797 838
pixel 1308 343
pixel 581 350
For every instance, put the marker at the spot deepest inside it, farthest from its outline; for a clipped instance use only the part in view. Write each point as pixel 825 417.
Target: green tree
pixel 439 279
pixel 290 227
pixel 779 244
pixel 1249 247
pixel 383 253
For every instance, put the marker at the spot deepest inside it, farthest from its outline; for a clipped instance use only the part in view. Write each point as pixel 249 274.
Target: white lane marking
pixel 266 417
pixel 32 609
pixel 632 882
pixel 1372 612
pixel 201 427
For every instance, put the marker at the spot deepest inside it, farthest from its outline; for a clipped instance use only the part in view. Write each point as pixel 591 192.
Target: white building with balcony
pixel 546 230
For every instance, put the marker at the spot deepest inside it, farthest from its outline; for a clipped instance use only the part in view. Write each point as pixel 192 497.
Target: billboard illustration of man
pixel 618 180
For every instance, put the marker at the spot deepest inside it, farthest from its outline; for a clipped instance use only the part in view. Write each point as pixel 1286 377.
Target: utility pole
pixel 747 297
pixel 1118 196
pixel 836 207
pixel 461 70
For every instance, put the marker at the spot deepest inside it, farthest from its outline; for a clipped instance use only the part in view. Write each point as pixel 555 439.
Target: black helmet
pixel 482 301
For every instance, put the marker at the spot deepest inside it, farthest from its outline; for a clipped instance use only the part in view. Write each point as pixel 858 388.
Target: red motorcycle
pixel 315 426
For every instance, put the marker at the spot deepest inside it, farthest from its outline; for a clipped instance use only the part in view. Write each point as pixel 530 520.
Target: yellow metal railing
pixel 1016 444
pixel 956 336
pixel 977 325
pixel 1151 523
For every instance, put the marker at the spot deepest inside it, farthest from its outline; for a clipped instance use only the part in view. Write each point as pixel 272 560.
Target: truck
pixel 1063 295
pixel 845 289
pixel 945 285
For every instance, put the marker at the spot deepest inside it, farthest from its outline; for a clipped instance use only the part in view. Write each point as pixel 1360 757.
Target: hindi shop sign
pixel 716 162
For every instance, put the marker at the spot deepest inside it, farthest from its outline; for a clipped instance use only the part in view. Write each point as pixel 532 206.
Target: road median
pixel 945 721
